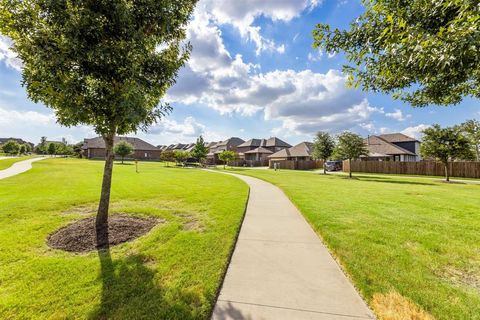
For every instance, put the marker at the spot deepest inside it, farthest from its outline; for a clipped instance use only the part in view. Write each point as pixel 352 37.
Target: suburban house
pixel 95 148
pixel 301 151
pixel 177 147
pixel 393 147
pixel 215 149
pixel 260 149
pixel 17 140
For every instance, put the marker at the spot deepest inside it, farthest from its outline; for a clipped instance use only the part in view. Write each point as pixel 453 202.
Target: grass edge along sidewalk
pixel 172 272
pixel 409 243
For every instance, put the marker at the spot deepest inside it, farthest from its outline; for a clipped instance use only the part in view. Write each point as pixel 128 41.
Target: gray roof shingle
pixel 378 146
pixel 137 143
pixel 303 149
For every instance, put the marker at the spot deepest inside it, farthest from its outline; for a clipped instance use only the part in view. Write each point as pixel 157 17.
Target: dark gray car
pixel 333 165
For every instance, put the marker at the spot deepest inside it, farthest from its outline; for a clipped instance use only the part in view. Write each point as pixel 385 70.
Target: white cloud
pixel 342 119
pixel 188 128
pixel 305 101
pixel 7 55
pixel 315 57
pixel 415 131
pixel 242 14
pixel 12 118
pixel 397 115
pixel 384 130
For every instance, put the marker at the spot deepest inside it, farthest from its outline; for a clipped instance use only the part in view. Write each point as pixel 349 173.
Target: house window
pixel 146 155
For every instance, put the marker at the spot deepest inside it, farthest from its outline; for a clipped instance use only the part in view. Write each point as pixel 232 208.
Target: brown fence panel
pixel 296 165
pixel 464 169
pixel 249 163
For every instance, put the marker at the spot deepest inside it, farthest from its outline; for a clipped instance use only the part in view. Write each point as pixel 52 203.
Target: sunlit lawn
pixel 413 236
pixel 173 272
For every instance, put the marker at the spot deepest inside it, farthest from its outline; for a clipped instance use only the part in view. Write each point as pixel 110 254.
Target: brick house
pixel 260 149
pixel 214 149
pixel 95 149
pixel 301 151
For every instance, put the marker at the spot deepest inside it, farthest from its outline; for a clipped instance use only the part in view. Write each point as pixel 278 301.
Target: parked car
pixel 333 165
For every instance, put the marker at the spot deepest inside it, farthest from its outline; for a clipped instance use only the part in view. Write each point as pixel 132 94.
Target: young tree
pixel 77 149
pixel 227 157
pixel 181 156
pixel 106 64
pixel 28 147
pixel 424 52
pixel 350 146
pixel 200 150
pixel 41 148
pixel 52 149
pixel 11 147
pixel 167 156
pixel 323 146
pixel 22 149
pixel 123 149
pixel 471 129
pixel 445 145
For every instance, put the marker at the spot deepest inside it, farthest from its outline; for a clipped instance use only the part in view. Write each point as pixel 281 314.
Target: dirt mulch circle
pixel 80 236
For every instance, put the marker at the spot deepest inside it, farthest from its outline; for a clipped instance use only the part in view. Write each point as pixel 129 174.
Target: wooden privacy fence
pixel 296 165
pixel 249 163
pixel 468 169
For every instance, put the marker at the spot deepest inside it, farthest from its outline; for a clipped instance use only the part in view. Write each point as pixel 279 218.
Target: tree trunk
pixel 350 168
pixel 101 222
pixel 324 166
pixel 122 159
pixel 447 172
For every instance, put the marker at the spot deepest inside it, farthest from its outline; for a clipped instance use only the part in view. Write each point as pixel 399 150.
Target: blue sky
pixel 252 74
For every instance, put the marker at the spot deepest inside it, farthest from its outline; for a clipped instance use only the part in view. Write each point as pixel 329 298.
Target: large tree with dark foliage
pixel 103 63
pixel 323 146
pixel 350 146
pixel 445 145
pixel 200 150
pixel 421 51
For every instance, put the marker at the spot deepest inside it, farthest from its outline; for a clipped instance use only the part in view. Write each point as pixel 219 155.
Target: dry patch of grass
pixel 394 306
pixel 191 223
pixel 469 278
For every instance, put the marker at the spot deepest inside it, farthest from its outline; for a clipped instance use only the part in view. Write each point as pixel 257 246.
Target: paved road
pixel 281 270
pixel 18 167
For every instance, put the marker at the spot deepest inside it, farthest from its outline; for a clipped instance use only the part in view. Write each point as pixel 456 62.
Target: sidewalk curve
pixel 280 269
pixel 18 167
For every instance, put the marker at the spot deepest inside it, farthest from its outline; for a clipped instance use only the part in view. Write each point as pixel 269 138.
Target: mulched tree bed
pixel 80 236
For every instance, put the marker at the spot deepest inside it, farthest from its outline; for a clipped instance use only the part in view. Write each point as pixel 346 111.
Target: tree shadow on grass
pixel 387 180
pixel 129 291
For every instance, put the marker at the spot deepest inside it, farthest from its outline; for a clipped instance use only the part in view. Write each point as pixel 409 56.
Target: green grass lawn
pixel 173 272
pixel 6 163
pixel 415 237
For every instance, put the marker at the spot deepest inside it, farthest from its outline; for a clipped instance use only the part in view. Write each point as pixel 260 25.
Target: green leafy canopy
pixel 350 146
pixel 323 146
pixel 421 51
pixel 98 62
pixel 123 149
pixel 445 144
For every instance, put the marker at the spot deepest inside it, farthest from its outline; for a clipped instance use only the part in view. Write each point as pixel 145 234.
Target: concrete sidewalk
pixel 281 270
pixel 18 167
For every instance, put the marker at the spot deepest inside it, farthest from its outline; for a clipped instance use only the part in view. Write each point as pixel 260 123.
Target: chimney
pixel 368 140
